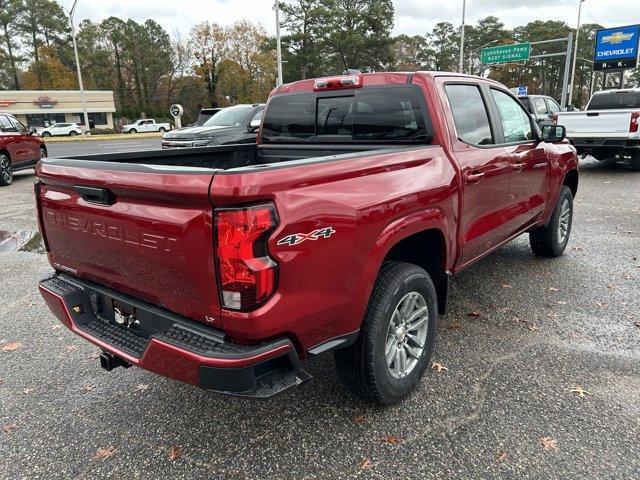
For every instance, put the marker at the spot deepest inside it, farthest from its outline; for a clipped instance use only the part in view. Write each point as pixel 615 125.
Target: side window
pixel 257 116
pixel 553 106
pixel 541 107
pixel 469 114
pixel 17 126
pixel 516 123
pixel 5 124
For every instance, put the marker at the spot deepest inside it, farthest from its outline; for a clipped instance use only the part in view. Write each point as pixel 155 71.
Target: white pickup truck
pixel 146 125
pixel 608 128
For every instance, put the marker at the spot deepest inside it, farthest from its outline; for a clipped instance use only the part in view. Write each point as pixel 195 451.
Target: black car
pixel 541 107
pixel 204 115
pixel 237 124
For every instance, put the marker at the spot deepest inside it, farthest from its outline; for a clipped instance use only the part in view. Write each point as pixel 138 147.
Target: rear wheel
pixel 552 239
pixel 162 129
pixel 6 174
pixel 635 162
pixel 73 133
pixel 46 134
pixel 396 339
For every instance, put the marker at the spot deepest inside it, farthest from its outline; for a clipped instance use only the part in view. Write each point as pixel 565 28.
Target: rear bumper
pixel 168 344
pixel 599 143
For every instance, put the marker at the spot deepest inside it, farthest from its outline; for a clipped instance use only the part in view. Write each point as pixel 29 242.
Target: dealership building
pixel 41 108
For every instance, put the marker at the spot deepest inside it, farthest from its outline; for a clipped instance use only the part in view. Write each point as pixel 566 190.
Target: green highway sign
pixel 517 52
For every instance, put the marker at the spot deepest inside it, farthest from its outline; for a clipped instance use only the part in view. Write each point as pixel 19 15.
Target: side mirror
pixel 553 133
pixel 254 125
pixel 32 130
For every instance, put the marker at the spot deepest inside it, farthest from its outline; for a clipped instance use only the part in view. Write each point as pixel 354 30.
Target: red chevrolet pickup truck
pixel 226 267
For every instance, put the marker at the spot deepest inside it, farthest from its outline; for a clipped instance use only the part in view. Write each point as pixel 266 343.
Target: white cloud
pixel 412 16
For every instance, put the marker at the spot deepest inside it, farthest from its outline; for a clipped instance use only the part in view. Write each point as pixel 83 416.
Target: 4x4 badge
pixel 298 238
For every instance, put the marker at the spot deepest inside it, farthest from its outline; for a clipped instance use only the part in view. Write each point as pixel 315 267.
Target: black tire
pixel 547 241
pixel 6 174
pixel 363 366
pixel 133 130
pixel 73 133
pixel 46 134
pixel 43 151
pixel 635 162
pixel 162 129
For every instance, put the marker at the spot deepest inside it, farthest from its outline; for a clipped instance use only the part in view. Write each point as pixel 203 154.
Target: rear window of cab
pixel 386 114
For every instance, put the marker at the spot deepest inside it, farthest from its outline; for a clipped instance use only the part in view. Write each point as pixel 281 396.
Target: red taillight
pixel 635 119
pixel 337 83
pixel 246 273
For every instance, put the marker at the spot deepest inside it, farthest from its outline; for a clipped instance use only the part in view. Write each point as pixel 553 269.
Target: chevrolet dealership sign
pixel 617 48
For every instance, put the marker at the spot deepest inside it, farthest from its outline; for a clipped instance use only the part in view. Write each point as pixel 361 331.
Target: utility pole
pixel 75 52
pixel 278 45
pixel 460 67
pixel 575 53
pixel 567 64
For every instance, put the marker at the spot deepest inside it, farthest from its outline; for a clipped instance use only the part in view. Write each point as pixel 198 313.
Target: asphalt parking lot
pixel 520 335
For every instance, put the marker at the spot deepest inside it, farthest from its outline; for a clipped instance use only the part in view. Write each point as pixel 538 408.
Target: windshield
pixel 372 114
pixel 229 117
pixel 615 100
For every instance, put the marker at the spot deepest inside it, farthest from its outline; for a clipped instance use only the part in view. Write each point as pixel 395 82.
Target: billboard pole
pixel 567 67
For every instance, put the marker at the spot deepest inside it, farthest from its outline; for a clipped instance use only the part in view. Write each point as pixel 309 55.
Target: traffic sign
pixel 616 48
pixel 516 52
pixel 176 110
pixel 522 90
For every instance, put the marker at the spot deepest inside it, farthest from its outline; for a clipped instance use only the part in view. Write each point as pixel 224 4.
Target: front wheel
pixel 73 133
pixel 6 174
pixel 46 134
pixel 43 152
pixel 397 336
pixel 133 130
pixel 552 239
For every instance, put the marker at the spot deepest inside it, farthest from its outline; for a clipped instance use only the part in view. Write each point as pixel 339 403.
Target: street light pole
pixel 75 52
pixel 460 67
pixel 575 53
pixel 278 45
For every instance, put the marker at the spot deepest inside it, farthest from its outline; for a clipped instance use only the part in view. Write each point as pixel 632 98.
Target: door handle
pixel 518 166
pixel 474 177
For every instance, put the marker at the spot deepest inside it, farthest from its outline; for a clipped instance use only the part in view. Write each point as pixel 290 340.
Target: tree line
pixel 214 65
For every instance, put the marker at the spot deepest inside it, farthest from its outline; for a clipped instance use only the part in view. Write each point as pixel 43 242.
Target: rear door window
pixel 516 123
pixel 5 124
pixel 370 114
pixel 553 106
pixel 540 106
pixel 469 114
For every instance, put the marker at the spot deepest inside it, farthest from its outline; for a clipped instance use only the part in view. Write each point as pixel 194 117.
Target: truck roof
pixel 377 78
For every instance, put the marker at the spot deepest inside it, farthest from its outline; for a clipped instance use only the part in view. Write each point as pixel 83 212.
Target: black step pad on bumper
pixel 95 311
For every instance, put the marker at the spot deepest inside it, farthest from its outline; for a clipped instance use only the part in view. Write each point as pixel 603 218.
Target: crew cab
pixel 145 125
pixel 227 267
pixel 609 126
pixel 542 107
pixel 20 148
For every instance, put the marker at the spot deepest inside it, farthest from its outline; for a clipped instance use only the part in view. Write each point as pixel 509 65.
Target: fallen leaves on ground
pixel 95 355
pixel 9 428
pixel 392 439
pixel 175 452
pixel 455 327
pixel 11 347
pixel 88 388
pixel 359 419
pixel 104 452
pixel 506 285
pixel 141 387
pixel 366 463
pixel 473 314
pixel 56 327
pixel 554 289
pixel 578 390
pixel 439 367
pixel 28 391
pixel 501 456
pixel 533 327
pixel 549 443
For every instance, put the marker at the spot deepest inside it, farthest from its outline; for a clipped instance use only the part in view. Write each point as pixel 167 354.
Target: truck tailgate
pixel 596 123
pixel 148 233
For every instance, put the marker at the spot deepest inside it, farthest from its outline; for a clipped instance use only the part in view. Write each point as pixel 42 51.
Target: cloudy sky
pixel 412 16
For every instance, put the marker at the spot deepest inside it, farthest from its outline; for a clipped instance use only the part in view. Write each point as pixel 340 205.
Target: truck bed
pixel 221 157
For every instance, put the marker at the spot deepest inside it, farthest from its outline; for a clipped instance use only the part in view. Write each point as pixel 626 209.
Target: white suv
pixel 70 129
